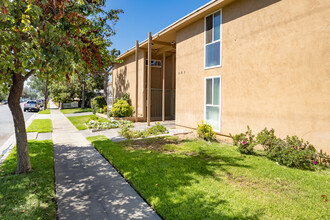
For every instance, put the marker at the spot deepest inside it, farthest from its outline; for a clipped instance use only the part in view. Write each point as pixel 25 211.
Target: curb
pixel 6 148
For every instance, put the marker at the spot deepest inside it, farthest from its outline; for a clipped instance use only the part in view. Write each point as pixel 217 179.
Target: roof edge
pixel 171 25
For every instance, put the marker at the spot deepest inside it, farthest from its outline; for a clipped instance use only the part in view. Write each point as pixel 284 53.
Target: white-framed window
pixel 212 107
pixel 155 63
pixel 213 40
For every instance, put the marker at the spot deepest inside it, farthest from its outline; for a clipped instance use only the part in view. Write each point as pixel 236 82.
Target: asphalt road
pixel 7 123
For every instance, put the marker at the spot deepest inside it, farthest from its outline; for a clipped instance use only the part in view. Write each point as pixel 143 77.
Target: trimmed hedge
pixel 98 103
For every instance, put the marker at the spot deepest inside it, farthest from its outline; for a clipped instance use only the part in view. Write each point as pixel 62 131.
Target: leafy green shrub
pixel 267 138
pixel 206 132
pixel 291 151
pixel 126 97
pixel 97 104
pixel 121 109
pixel 293 154
pixel 109 114
pixel 245 141
pixel 103 110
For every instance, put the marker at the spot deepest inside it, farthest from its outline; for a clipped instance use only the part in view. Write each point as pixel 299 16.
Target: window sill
pixel 212 67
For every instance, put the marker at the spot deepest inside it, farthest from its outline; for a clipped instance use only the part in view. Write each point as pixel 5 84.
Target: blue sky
pixel 142 16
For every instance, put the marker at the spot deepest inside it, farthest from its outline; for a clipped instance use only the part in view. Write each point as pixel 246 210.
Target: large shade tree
pixel 52 38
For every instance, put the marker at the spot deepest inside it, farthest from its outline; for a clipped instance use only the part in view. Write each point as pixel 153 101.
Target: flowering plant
pixel 244 141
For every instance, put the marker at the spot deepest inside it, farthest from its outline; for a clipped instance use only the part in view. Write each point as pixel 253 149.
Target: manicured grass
pixel 78 121
pixel 75 110
pixel 40 126
pixel 32 195
pixel 196 180
pixel 47 111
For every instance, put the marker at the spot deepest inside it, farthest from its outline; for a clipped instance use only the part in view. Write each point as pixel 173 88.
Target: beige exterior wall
pixel 124 80
pixel 275 69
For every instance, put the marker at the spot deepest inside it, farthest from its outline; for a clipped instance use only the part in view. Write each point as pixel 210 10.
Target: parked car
pixel 32 105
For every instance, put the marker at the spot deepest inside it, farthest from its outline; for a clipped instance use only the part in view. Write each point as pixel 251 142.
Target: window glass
pixel 209 91
pixel 217 22
pixel 208 29
pixel 213 40
pixel 216 91
pixel 213 117
pixel 212 54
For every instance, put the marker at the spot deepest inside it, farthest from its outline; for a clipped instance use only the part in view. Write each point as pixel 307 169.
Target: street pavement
pixel 7 123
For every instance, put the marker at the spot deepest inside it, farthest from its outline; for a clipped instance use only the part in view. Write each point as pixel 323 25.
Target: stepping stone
pixel 44 136
pixel 32 135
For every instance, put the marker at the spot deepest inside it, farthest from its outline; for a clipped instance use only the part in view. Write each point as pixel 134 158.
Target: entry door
pixel 212 107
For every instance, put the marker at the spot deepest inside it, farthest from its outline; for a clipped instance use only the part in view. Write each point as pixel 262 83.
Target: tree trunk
pixel 105 86
pixel 83 96
pixel 46 94
pixel 23 159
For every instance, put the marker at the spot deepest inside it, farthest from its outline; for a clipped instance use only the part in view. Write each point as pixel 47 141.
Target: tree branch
pixel 29 74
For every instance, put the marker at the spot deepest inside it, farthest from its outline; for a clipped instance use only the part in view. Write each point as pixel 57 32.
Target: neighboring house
pixel 237 63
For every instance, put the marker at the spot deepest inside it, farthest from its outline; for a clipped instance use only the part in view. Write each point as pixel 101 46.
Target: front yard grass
pixel 31 195
pixel 40 126
pixel 47 111
pixel 78 121
pixel 193 179
pixel 75 110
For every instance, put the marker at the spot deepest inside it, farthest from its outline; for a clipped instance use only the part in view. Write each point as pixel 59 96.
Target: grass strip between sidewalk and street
pixel 193 179
pixel 79 121
pixel 40 126
pixel 75 110
pixel 31 195
pixel 47 111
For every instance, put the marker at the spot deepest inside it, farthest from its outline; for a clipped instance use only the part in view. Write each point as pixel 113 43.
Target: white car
pixel 32 105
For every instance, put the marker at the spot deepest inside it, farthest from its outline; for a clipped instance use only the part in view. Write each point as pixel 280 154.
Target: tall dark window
pixel 213 40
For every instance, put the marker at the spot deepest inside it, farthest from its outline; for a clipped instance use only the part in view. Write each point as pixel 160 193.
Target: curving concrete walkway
pixel 87 186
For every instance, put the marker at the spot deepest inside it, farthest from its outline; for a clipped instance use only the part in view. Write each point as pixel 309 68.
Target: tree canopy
pixel 52 40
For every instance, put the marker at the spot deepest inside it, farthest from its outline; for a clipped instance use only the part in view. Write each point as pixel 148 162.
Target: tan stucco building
pixel 234 63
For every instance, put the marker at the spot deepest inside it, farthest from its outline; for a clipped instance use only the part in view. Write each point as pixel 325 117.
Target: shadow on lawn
pixel 31 195
pixel 165 178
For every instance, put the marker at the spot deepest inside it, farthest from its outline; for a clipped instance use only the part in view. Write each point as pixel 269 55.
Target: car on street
pixel 5 102
pixel 32 105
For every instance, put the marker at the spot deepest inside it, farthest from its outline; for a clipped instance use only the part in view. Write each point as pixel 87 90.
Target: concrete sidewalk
pixel 87 186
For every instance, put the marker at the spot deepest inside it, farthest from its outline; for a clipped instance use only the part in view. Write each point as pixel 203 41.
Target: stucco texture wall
pixel 124 80
pixel 275 69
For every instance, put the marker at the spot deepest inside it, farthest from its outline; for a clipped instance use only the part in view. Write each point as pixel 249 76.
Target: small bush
pixel 206 132
pixel 245 141
pixel 97 104
pixel 291 155
pixel 126 97
pixel 121 109
pixel 291 152
pixel 109 114
pixel 267 138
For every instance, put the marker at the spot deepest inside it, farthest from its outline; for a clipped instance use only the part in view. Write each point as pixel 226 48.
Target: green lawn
pixel 196 180
pixel 78 121
pixel 40 126
pixel 47 111
pixel 32 195
pixel 75 110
